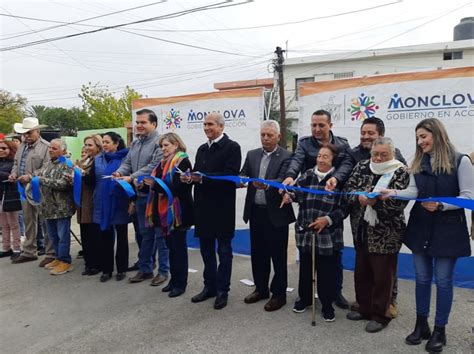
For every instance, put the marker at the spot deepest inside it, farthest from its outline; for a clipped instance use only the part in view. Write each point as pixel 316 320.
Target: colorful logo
pixel 173 120
pixel 362 107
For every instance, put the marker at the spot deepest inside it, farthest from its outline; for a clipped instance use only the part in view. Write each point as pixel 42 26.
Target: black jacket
pixel 307 152
pixel 5 170
pixel 214 201
pixel 359 153
pixel 276 170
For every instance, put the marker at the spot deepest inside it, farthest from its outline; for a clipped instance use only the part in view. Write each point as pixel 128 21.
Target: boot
pixel 421 331
pixel 437 340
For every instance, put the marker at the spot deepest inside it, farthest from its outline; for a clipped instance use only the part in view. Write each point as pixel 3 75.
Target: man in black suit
pixel 214 205
pixel 268 222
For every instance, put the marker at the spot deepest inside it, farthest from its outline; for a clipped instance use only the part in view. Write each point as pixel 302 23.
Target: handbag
pixel 11 198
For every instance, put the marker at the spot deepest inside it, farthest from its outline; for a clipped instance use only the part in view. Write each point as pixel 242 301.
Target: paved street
pixel 40 313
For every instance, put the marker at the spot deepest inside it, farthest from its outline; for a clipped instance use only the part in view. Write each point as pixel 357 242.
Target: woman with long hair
pixel 174 217
pixel 9 225
pixel 111 207
pixel 436 232
pixel 89 230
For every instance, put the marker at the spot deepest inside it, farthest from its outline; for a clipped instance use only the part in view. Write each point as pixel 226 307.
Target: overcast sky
pixel 52 73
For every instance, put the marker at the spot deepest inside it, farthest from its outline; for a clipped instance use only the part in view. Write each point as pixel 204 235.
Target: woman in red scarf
pixel 174 215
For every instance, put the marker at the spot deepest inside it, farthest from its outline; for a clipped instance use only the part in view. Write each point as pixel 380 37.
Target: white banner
pixel 243 112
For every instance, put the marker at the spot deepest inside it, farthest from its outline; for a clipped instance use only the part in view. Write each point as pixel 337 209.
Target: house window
pixel 452 55
pixel 298 83
pixel 343 75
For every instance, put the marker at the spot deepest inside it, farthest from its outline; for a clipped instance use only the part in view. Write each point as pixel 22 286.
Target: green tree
pixel 12 110
pixel 36 111
pixel 105 110
pixel 68 121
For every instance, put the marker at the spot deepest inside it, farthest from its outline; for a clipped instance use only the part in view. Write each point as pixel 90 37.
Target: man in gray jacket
pixel 144 155
pixel 31 156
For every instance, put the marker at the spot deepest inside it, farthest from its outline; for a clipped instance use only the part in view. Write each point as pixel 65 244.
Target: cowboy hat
pixel 28 124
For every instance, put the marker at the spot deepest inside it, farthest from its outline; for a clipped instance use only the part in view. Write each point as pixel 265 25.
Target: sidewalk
pixel 40 313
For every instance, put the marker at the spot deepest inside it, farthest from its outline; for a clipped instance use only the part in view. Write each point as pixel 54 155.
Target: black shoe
pixel 80 254
pixel 341 302
pixel 354 316
pixel 15 255
pixel 221 301
pixel 105 277
pixel 421 331
pixel 300 306
pixel 133 268
pixel 167 288
pixel 41 251
pixel 6 253
pixel 93 271
pixel 437 340
pixel 176 292
pixel 203 295
pixel 86 271
pixel 120 276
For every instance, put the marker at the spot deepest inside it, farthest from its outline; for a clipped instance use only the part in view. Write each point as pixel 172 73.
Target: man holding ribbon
pixel 268 222
pixel 379 226
pixel 31 155
pixel 57 204
pixel 214 205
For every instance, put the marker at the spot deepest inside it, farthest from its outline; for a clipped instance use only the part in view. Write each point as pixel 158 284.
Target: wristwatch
pixel 440 207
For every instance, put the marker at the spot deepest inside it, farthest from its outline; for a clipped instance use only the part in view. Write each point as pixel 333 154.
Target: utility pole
pixel 278 65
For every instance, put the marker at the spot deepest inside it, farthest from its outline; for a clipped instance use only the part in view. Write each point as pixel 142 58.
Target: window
pixel 452 55
pixel 298 83
pixel 343 75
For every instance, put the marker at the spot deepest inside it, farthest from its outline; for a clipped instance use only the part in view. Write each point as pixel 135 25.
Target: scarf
pixel 386 171
pixel 169 213
pixel 108 198
pixel 322 175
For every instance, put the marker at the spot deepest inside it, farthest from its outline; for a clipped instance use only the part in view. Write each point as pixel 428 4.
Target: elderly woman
pixel 57 205
pixel 10 204
pixel 89 230
pixel 437 233
pixel 379 226
pixel 319 220
pixel 173 228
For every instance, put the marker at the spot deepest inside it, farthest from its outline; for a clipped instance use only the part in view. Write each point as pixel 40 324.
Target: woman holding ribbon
pixel 437 232
pixel 111 204
pixel 320 221
pixel 89 230
pixel 170 206
pixel 10 204
pixel 378 228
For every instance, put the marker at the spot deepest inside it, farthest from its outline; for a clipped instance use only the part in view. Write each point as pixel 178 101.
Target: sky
pixel 216 42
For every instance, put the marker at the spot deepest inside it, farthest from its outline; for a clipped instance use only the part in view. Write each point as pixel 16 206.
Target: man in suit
pixel 268 222
pixel 214 205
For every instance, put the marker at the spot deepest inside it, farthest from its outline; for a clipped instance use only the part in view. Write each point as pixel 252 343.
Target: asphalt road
pixel 40 313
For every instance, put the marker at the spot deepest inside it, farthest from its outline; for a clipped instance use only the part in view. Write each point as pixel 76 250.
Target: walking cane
pixel 313 270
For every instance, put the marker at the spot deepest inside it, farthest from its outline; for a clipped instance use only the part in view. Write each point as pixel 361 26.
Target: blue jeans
pixel 152 240
pixel 217 278
pixel 59 232
pixel 443 269
pixel 39 234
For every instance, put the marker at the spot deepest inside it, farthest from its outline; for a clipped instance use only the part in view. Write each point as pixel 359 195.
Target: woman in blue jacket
pixel 111 207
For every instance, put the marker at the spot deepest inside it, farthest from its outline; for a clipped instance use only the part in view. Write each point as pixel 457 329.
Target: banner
pixel 243 111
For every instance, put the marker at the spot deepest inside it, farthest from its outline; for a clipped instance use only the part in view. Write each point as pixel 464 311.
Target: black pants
pixel 326 270
pixel 268 244
pixel 107 254
pixel 339 274
pixel 178 248
pixel 217 278
pixel 90 238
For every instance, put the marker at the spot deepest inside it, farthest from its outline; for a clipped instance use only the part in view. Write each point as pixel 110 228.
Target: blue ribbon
pixel 460 202
pixel 126 187
pixel 77 187
pixel 21 190
pixel 35 189
pixel 65 160
pixel 168 194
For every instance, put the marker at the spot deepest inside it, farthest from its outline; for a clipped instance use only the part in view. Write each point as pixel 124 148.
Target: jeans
pixel 152 240
pixel 39 235
pixel 443 269
pixel 217 278
pixel 59 232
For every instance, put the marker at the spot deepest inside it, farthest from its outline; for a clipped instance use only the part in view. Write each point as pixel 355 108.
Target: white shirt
pixel 210 142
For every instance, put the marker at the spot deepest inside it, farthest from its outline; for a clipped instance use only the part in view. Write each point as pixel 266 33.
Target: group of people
pixel 164 208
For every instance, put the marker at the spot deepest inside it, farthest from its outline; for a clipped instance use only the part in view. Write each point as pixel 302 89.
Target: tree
pixel 12 110
pixel 104 110
pixel 68 121
pixel 36 111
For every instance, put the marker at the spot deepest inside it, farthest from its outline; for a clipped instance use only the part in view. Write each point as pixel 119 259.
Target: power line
pixel 219 5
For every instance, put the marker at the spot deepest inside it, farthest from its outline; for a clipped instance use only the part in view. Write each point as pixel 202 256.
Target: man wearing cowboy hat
pixel 31 155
